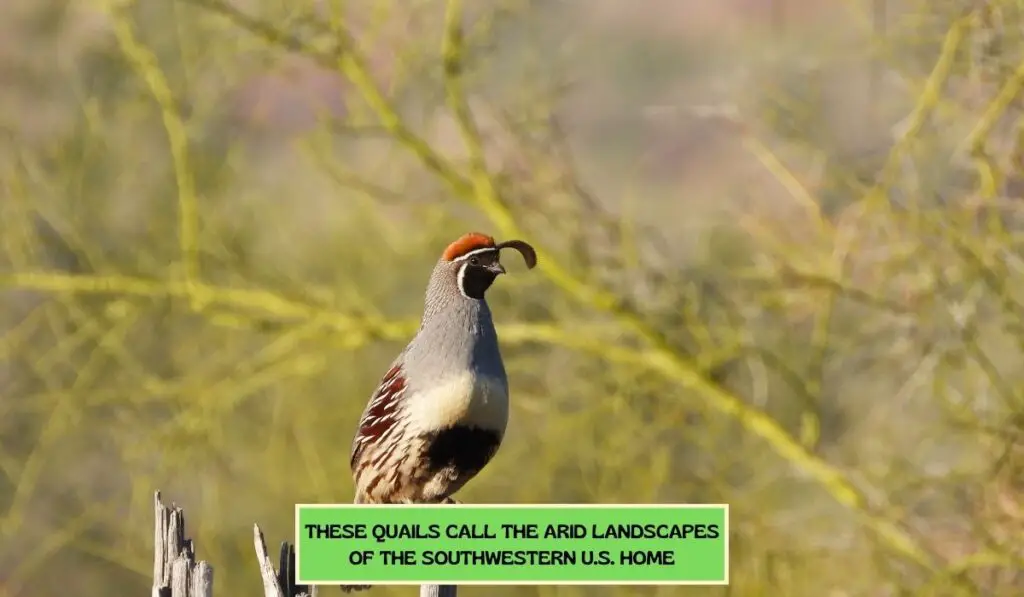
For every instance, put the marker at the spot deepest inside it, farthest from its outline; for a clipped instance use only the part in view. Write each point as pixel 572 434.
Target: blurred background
pixel 781 267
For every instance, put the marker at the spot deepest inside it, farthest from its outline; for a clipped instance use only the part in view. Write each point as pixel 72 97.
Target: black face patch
pixel 477 272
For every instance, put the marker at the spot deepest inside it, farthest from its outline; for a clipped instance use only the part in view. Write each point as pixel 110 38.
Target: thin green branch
pixel 927 101
pixel 350 62
pixel 147 67
pixel 995 110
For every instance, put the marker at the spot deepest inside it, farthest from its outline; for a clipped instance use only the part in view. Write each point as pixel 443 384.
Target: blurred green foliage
pixel 781 268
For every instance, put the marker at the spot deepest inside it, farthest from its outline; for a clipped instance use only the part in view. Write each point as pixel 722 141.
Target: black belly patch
pixel 465 449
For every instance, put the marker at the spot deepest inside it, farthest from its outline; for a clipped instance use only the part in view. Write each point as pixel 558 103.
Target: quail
pixel 439 413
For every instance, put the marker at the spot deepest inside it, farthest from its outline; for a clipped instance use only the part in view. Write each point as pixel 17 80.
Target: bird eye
pixel 474 261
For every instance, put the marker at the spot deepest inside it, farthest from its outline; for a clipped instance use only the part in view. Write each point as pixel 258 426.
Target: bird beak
pixel 496 268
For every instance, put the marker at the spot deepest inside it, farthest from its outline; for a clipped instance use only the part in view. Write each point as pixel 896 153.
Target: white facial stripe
pixel 475 252
pixel 461 279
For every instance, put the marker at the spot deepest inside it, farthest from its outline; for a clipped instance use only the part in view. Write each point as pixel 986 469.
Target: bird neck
pixel 456 331
pixel 456 334
pixel 444 300
pixel 453 309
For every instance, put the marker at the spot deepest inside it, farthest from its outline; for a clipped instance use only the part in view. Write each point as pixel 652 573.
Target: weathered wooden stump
pixel 176 573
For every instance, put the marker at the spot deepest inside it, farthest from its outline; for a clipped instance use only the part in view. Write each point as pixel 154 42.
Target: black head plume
pixel 524 248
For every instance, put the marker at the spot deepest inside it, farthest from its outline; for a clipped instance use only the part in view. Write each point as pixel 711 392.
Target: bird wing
pixel 380 414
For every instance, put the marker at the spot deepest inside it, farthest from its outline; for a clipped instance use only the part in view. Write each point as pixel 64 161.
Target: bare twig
pixel 271 588
pixel 282 582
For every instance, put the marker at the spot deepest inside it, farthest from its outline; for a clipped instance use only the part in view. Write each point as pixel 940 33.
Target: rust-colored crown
pixel 465 244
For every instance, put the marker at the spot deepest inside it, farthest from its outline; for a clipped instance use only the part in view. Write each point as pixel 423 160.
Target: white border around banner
pixel 725 582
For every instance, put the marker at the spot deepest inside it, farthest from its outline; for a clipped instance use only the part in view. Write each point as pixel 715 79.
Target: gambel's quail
pixel 440 411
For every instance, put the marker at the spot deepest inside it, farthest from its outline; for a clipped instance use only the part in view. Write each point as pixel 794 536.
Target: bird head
pixel 475 261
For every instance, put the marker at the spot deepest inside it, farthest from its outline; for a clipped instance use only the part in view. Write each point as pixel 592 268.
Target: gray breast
pixel 457 340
